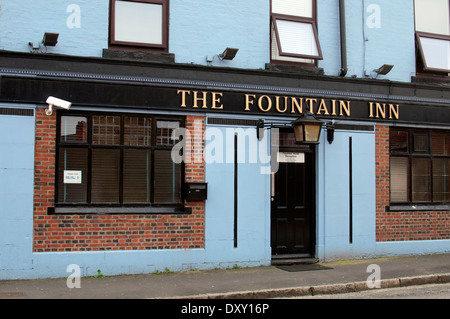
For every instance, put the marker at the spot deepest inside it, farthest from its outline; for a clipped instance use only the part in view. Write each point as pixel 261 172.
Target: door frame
pixel 310 149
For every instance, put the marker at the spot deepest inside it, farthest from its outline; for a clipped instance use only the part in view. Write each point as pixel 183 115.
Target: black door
pixel 292 213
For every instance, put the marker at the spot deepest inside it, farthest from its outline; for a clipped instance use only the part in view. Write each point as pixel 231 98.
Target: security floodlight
pixel 228 54
pixel 385 69
pixel 50 39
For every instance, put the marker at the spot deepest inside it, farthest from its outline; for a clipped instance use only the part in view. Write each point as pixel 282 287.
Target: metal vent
pixel 13 111
pixel 238 122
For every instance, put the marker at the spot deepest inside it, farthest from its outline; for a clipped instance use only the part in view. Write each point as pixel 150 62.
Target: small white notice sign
pixel 72 177
pixel 291 157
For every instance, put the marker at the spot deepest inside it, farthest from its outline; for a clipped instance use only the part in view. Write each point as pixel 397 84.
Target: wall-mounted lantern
pixel 307 129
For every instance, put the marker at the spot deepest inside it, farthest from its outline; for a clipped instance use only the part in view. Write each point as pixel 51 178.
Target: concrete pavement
pixel 244 283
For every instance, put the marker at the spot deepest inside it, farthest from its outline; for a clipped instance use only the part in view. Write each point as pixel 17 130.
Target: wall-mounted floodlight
pixel 385 69
pixel 228 54
pixel 53 101
pixel 50 39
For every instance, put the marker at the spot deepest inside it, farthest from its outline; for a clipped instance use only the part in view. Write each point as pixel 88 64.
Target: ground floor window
pixel 109 159
pixel 419 166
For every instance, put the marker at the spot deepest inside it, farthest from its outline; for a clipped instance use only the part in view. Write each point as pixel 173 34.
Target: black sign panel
pixel 151 97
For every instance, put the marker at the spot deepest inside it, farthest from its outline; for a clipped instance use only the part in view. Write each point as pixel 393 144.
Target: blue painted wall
pixel 198 29
pixel 24 21
pixel 16 191
pixel 333 213
pixel 378 32
pixel 253 223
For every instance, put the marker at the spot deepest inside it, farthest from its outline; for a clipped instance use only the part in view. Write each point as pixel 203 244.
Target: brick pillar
pixel 44 173
pixel 195 172
pixel 382 177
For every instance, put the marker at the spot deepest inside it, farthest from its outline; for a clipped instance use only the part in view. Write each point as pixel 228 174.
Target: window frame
pixel 90 146
pixel 422 69
pixel 410 154
pixel 273 25
pixel 113 43
pixel 276 17
pixel 420 35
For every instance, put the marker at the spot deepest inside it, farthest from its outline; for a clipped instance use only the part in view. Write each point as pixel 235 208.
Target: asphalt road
pixel 433 291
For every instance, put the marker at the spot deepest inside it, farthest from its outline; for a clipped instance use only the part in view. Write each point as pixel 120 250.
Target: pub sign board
pixel 88 93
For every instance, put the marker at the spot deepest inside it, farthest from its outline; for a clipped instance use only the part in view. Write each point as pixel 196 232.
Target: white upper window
pixel 141 23
pixel 433 34
pixel 294 31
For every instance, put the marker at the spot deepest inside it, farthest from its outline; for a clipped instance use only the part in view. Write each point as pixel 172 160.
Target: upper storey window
pixel 139 23
pixel 433 35
pixel 294 31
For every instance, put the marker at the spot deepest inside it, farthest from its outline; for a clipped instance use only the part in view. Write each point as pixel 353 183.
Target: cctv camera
pixel 53 101
pixel 58 102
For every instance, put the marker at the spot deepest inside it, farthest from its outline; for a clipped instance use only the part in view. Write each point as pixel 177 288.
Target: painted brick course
pixel 91 232
pixel 408 225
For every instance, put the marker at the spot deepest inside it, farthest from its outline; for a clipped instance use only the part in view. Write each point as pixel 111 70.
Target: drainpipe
pixel 344 67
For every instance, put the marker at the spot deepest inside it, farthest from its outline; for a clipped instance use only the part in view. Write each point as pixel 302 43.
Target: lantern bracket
pixel 261 125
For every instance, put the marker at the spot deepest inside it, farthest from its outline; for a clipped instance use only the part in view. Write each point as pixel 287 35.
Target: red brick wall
pixel 109 232
pixel 402 226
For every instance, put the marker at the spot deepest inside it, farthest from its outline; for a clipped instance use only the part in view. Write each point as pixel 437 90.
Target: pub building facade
pixel 162 165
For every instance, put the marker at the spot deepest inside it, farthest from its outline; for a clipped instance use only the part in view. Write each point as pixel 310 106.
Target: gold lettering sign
pixel 381 111
pixel 286 105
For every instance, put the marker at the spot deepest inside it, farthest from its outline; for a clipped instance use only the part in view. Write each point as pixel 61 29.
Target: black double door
pixel 292 211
